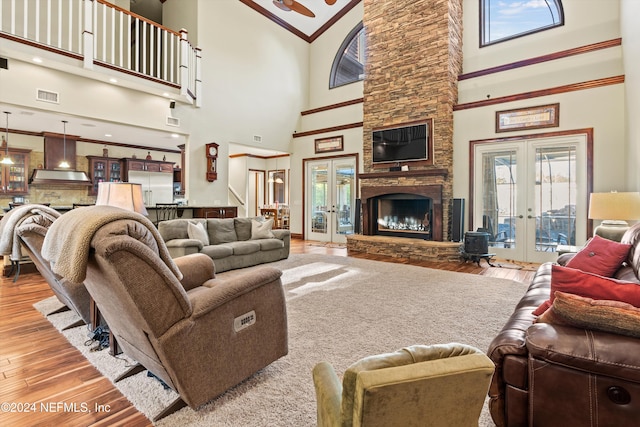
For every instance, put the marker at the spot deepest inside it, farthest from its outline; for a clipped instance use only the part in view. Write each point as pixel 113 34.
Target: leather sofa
pixel 560 375
pixel 229 242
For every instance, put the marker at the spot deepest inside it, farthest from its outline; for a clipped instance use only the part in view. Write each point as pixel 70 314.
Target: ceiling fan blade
pixel 281 6
pixel 297 7
pixel 330 2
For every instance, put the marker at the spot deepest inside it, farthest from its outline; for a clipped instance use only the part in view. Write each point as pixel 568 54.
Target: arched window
pixel 502 20
pixel 348 65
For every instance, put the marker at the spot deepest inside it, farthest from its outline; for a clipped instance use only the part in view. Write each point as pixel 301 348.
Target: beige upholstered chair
pixel 198 334
pixel 439 385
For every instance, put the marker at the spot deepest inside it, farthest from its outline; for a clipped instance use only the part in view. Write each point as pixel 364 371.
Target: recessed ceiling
pixel 37 121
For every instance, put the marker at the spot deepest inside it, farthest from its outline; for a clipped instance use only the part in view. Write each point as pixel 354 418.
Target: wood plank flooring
pixel 40 372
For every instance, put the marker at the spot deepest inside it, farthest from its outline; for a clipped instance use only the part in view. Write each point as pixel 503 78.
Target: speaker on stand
pixel 358 221
pixel 457 220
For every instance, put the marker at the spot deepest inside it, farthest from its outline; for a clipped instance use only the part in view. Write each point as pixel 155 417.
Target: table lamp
pixel 614 209
pixel 123 195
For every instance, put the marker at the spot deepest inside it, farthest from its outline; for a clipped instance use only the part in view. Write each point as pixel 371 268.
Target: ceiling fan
pixel 289 5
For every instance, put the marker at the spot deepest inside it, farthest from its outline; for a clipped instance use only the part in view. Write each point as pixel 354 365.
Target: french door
pixel 531 196
pixel 330 199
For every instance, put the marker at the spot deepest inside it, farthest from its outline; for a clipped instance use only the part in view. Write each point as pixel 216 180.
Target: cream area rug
pixel 339 309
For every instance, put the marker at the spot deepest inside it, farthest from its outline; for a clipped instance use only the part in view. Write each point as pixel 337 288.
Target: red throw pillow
pixel 601 256
pixel 589 285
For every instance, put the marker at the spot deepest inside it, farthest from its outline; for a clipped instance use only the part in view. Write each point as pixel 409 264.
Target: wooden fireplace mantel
pixel 400 174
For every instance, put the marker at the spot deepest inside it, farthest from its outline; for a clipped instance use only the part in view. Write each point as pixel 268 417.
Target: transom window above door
pixel 502 20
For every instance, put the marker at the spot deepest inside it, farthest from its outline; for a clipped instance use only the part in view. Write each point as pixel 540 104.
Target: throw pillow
pixel 601 256
pixel 221 230
pixel 197 231
pixel 600 315
pixel 261 230
pixel 589 285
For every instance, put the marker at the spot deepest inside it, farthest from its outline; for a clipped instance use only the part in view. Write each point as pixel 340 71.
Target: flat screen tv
pixel 404 143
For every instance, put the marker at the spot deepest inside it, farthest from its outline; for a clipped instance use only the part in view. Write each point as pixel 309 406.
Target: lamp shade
pixel 123 195
pixel 615 206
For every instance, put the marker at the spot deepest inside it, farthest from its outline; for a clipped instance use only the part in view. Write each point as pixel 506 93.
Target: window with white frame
pixel 502 20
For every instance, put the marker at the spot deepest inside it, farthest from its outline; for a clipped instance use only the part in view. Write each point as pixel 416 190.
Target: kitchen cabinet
pixel 14 178
pixel 103 169
pixel 156 178
pixel 216 212
pixel 148 166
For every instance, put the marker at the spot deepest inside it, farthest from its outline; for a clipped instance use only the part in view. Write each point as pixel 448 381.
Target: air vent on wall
pixel 257 138
pixel 48 96
pixel 173 121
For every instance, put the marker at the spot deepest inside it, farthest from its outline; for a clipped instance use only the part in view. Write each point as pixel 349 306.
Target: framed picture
pixel 326 145
pixel 543 116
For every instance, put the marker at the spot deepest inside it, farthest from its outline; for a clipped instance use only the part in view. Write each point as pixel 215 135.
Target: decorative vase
pixel 105 152
pixel 148 155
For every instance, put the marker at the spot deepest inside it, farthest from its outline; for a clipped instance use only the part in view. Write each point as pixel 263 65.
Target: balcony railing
pixel 99 33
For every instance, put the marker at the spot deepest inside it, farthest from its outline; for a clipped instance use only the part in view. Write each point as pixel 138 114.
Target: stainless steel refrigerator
pixel 157 187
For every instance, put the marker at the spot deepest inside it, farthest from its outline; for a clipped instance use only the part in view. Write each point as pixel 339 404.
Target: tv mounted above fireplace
pixel 402 143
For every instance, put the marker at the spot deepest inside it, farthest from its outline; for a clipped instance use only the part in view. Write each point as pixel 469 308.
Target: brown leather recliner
pixel 199 334
pixel 550 375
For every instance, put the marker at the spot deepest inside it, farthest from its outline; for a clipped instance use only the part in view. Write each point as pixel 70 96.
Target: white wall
pixel 601 108
pixel 255 80
pixel 629 13
pixel 322 53
pixel 179 14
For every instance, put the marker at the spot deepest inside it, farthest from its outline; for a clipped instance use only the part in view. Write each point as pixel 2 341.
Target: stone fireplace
pixel 414 57
pixel 403 211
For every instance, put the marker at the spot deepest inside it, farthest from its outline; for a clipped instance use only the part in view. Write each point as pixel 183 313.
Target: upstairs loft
pixel 103 38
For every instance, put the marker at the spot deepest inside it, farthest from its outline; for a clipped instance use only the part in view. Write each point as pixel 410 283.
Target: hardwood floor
pixel 46 381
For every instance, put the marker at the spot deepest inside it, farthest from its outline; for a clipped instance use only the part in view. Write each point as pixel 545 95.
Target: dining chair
pixel 166 211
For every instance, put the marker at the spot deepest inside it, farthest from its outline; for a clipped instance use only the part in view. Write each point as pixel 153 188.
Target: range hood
pixel 58 176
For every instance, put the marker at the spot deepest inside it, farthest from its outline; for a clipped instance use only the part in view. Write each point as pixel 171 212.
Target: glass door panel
pixel 317 206
pixel 330 199
pixel 530 196
pixel 497 192
pixel 557 197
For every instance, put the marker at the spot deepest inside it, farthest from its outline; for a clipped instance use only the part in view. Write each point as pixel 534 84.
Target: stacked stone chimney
pixel 414 57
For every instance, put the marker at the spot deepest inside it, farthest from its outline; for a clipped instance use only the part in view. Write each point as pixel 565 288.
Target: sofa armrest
pixel 182 247
pixel 596 352
pixel 223 290
pixel 196 269
pixel 328 394
pixel 281 234
pixel 565 258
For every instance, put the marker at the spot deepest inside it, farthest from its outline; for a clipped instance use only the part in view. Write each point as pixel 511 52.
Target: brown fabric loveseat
pixel 560 374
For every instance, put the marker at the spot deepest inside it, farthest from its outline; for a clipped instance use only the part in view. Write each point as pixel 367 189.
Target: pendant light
pixel 64 164
pixel 277 174
pixel 6 160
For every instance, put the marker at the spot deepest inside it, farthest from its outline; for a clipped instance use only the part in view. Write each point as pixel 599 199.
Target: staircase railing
pixel 100 33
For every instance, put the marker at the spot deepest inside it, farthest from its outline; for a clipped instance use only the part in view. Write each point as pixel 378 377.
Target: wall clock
pixel 212 161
